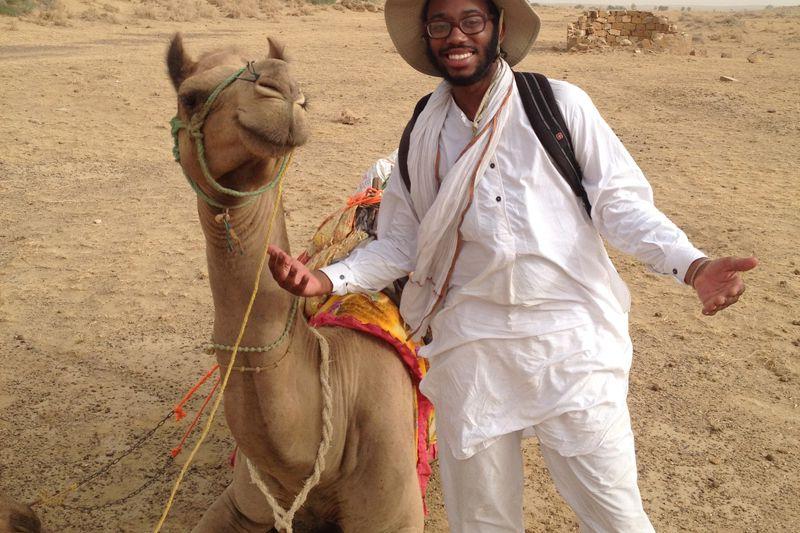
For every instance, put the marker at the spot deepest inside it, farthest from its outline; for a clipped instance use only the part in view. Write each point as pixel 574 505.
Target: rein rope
pixel 195 129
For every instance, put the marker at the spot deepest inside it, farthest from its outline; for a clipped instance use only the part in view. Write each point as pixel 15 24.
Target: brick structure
pixel 619 28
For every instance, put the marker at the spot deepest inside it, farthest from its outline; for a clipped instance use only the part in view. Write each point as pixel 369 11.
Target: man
pixel 509 273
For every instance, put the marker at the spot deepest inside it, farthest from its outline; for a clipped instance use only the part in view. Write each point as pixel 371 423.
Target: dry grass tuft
pixel 175 10
pixel 15 8
pixel 237 9
pixel 52 12
pixel 92 14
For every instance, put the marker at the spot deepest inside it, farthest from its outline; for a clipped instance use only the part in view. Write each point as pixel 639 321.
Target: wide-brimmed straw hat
pixel 404 22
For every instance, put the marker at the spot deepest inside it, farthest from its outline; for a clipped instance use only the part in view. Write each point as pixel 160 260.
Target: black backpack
pixel 548 123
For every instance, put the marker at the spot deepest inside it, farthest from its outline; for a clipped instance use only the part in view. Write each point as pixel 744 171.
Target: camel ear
pixel 277 50
pixel 179 64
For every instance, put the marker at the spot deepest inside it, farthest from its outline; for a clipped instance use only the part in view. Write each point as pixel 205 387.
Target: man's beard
pixel 481 70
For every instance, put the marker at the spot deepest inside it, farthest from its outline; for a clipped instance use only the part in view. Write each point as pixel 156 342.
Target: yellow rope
pixel 207 427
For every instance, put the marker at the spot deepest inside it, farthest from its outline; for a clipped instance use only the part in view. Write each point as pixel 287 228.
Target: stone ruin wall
pixel 598 28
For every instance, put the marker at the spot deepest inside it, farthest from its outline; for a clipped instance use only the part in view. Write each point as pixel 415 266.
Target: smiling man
pixel 528 319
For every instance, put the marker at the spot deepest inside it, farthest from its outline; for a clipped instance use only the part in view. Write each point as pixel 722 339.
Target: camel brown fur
pixel 17 518
pixel 369 484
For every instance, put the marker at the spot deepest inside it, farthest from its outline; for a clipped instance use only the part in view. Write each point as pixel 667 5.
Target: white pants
pixel 483 494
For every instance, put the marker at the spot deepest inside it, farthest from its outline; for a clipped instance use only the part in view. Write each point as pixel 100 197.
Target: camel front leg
pixel 241 508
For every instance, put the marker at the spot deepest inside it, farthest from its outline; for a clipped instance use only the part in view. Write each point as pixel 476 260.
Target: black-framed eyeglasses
pixel 441 29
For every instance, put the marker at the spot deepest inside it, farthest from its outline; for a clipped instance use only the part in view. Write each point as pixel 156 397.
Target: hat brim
pixel 404 22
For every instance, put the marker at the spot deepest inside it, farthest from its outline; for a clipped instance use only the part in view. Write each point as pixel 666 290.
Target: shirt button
pixel 674 270
pixel 491 165
pixel 341 276
pixel 498 199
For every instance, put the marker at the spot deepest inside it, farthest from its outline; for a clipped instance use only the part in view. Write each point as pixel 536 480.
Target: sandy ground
pixel 104 302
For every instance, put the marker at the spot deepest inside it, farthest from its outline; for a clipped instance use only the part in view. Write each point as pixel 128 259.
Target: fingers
pixel 739 264
pixel 290 273
pixel 720 302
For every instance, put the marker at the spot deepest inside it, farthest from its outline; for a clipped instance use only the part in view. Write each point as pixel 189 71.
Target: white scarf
pixel 441 207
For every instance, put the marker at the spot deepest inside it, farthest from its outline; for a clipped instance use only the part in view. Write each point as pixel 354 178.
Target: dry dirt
pixel 104 301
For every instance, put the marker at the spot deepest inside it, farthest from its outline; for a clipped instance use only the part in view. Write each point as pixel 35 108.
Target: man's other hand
pixel 295 277
pixel 719 282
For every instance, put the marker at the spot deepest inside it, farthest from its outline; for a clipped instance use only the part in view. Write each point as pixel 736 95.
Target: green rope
pixel 268 347
pixel 195 129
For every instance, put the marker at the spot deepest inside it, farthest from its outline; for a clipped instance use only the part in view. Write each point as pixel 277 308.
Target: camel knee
pixel 224 516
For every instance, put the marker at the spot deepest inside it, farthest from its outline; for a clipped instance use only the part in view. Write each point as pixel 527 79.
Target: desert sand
pixel 104 299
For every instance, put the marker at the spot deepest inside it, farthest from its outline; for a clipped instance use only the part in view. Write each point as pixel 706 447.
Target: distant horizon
pixel 698 4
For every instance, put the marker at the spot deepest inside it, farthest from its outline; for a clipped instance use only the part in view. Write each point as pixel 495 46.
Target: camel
pixel 370 482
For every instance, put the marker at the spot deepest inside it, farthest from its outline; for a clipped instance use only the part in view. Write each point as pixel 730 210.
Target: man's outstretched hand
pixel 292 275
pixel 719 282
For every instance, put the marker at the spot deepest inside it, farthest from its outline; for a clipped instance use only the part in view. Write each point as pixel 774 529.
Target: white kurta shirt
pixel 533 331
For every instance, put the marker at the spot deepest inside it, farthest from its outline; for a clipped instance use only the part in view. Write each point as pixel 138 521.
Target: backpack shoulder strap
pixel 551 129
pixel 405 140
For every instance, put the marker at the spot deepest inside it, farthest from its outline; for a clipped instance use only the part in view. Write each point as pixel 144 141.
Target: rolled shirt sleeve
pixel 622 200
pixel 376 265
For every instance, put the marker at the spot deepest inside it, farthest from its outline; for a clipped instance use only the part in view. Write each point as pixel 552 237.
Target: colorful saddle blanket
pixel 375 313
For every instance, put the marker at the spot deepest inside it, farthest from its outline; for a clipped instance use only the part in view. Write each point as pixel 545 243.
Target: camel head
pixel 248 114
pixel 17 518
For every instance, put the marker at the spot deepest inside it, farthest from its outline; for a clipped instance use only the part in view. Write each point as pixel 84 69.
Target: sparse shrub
pixel 662 8
pixel 732 20
pixel 237 9
pixel 578 6
pixel 146 11
pixel 270 7
pixel 15 8
pixel 53 12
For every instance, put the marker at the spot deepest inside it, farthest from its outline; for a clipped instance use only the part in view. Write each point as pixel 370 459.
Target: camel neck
pixel 232 273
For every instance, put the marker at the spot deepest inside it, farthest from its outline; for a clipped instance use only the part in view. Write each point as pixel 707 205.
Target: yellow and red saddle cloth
pixel 375 314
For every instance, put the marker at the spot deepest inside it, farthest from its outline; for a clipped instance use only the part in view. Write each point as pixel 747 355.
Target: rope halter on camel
pixel 195 130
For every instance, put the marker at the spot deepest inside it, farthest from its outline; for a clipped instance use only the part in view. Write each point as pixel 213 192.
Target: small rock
pixel 19 337
pixel 347 117
pixel 625 42
pixel 796 322
pixel 655 387
pixel 657 314
pixel 637 51
pixel 713 483
pixel 726 55
pixel 714 460
pixel 770 111
pixel 727 78
pixel 98 221
pixel 769 457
